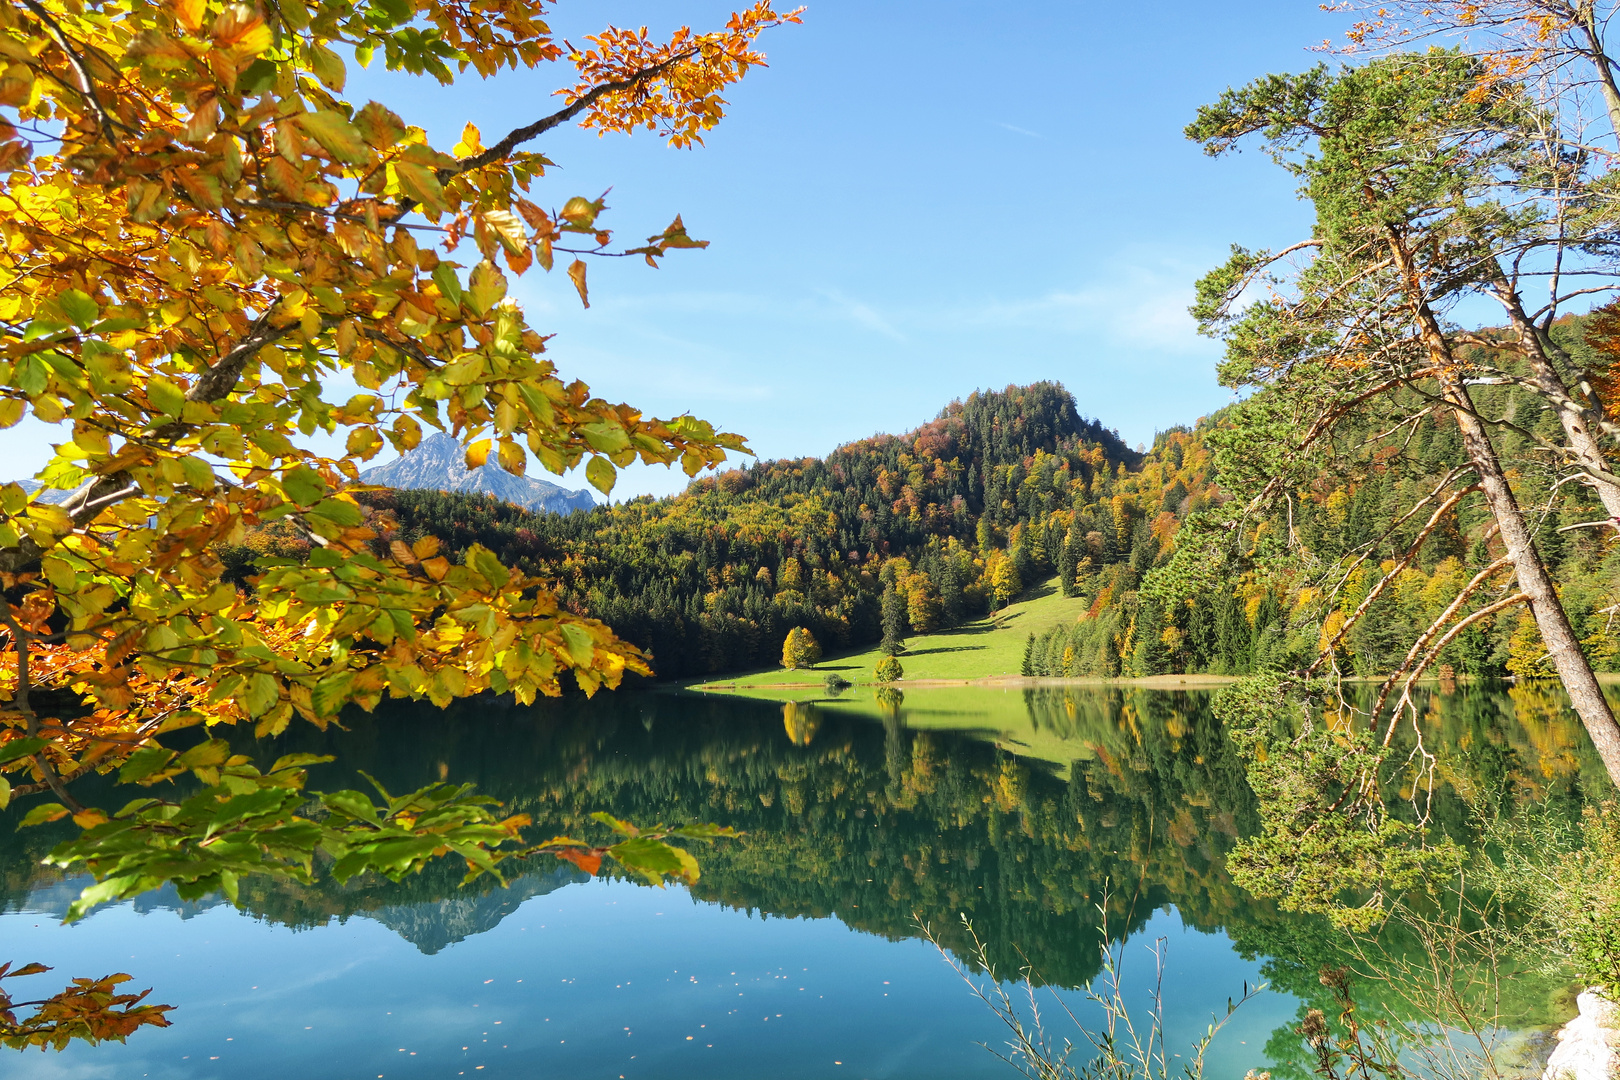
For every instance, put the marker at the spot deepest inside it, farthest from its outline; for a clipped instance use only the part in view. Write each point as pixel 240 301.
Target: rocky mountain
pixel 52 495
pixel 438 464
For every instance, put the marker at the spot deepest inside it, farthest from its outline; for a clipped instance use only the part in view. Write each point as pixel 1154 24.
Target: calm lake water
pixel 797 954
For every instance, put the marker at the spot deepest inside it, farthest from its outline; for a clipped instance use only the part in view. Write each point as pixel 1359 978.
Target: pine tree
pixel 894 622
pixel 1068 560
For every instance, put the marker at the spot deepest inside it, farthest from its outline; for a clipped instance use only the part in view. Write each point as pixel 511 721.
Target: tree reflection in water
pixel 1016 811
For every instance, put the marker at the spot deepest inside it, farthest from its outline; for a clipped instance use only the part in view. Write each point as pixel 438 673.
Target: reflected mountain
pixel 1021 811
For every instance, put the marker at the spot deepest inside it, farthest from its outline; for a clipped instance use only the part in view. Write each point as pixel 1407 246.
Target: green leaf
pixel 338 511
pixel 607 438
pixel 618 825
pixel 704 831
pixel 79 307
pixel 602 475
pixel 144 762
pixel 655 860
pixel 303 485
pixel 20 748
pixel 332 692
pixel 258 77
pixel 5 793
pixel 113 888
pixel 444 276
pixel 322 594
pixel 206 755
pixel 340 138
pixel 578 641
pixel 489 567
pixel 298 761
pixel 165 396
pixel 352 803
pixel 42 813
pixel 32 376
pixel 261 696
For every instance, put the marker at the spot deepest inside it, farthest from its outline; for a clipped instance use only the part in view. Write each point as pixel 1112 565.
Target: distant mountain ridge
pixel 51 495
pixel 439 464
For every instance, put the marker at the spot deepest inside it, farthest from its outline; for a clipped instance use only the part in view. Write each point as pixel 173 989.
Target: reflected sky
pixel 600 979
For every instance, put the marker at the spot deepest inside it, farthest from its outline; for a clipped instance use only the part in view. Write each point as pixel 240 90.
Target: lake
pixel 798 953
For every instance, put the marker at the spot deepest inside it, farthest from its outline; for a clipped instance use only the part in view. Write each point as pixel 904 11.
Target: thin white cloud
pixel 862 314
pixel 1019 130
pixel 1144 306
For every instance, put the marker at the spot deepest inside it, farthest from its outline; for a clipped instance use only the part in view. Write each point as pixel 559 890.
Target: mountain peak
pixel 439 464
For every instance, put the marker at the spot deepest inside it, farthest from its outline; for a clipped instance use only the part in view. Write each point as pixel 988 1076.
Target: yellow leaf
pixel 420 183
pixel 601 474
pixel 485 287
pixel 508 228
pixel 340 138
pixel 576 274
pixel 328 67
pixel 513 458
pixel 471 143
pixel 240 30
pixel 190 13
pixel 478 453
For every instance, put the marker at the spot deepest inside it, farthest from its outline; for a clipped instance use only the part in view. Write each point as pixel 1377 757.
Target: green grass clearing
pixel 982 649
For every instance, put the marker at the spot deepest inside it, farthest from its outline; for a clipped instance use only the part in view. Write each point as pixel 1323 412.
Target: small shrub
pixel 889 670
pixel 836 683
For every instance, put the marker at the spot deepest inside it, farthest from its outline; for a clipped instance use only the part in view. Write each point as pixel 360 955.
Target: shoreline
pixel 1031 682
pixel 1004 682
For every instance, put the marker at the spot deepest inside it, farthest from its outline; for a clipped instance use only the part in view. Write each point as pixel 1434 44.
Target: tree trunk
pixel 1599 57
pixel 1576 420
pixel 1534 581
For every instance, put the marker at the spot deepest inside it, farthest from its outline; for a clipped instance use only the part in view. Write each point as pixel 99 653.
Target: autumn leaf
pixel 338 136
pixel 217 242
pixel 576 274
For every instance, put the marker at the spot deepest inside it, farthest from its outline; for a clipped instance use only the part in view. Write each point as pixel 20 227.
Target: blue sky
pixel 912 202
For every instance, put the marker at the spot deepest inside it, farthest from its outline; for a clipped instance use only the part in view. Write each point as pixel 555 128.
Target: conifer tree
pixel 894 622
pixel 1429 184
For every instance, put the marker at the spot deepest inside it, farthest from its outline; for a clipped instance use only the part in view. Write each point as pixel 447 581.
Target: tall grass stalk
pixel 1124 1047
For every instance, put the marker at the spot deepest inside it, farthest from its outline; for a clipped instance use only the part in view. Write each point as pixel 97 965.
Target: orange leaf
pixel 588 861
pixel 576 273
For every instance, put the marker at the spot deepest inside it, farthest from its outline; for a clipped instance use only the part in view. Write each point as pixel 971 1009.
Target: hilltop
pixel 927 530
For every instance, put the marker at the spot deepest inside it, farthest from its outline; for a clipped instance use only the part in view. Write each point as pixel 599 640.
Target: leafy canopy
pixel 206 246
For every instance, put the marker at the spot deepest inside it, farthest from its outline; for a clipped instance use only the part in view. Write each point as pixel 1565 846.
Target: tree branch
pixel 1405 561
pixel 518 136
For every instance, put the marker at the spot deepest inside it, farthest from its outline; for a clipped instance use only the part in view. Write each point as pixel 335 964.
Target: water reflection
pixel 1020 810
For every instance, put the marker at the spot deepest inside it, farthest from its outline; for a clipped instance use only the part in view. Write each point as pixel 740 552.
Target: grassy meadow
pixel 983 649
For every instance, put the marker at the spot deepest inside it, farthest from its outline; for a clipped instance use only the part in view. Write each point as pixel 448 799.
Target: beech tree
pixel 204 241
pixel 800 649
pixel 1427 190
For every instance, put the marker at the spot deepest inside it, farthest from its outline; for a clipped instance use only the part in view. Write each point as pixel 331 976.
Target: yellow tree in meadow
pixel 800 649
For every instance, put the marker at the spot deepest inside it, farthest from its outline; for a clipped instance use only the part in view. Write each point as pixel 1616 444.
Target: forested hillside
pixel 1246 588
pixel 949 520
pixel 1007 489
